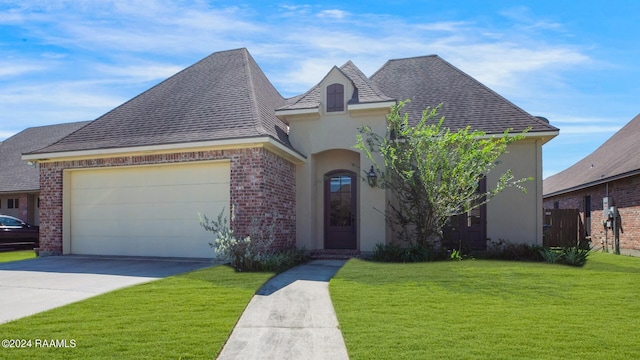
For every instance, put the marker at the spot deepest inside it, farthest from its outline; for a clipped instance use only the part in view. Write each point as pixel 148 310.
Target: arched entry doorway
pixel 340 210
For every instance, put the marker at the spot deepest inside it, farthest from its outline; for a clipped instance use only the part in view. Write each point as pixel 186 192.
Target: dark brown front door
pixel 469 230
pixel 340 210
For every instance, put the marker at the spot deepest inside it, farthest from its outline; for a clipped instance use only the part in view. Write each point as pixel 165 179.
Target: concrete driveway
pixel 31 286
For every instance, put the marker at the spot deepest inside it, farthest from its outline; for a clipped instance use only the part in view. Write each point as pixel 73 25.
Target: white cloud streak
pixel 129 44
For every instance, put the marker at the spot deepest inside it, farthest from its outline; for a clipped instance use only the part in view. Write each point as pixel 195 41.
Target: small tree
pixel 432 171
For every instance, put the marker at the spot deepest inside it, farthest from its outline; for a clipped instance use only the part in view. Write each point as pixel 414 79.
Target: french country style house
pixel 219 135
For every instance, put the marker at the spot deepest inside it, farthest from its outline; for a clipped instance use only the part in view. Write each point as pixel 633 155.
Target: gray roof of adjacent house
pixel 223 96
pixel 617 158
pixel 227 96
pixel 15 174
pixel 429 81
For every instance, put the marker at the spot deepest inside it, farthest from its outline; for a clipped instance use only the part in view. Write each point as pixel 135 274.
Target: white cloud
pixel 13 68
pixel 6 134
pixel 446 26
pixel 140 73
pixel 335 14
pixel 59 95
pixel 139 42
pixel 588 129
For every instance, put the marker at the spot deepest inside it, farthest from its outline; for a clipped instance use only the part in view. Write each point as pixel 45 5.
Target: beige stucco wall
pixel 327 140
pixel 512 215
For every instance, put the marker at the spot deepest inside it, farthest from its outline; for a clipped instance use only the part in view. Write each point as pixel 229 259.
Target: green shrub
pixel 570 255
pixel 411 253
pixel 281 260
pixel 504 250
pixel 552 256
pixel 575 255
pixel 253 252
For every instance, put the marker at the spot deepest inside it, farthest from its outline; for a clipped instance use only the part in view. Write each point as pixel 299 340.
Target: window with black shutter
pixel 335 97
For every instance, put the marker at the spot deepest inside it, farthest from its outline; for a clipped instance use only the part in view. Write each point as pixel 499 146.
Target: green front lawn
pixel 480 309
pixel 187 316
pixel 6 256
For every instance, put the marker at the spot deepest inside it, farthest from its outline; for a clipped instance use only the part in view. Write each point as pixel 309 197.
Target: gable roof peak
pixel 364 90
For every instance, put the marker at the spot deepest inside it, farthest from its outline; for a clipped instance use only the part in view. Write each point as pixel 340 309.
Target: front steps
pixel 334 254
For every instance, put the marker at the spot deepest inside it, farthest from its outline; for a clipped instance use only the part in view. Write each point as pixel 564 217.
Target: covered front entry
pixel 340 210
pixel 144 210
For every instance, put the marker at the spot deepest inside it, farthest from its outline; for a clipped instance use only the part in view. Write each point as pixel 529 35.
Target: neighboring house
pixel 20 181
pixel 219 135
pixel 608 176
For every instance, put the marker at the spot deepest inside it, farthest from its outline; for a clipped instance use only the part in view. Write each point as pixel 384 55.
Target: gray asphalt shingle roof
pixel 617 157
pixel 226 95
pixel 429 81
pixel 223 96
pixel 15 174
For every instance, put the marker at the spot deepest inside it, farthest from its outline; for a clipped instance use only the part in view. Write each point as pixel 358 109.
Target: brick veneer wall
pixel 274 197
pixel 624 194
pixel 262 184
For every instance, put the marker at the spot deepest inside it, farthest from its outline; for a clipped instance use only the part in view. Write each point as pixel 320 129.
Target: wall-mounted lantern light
pixel 372 178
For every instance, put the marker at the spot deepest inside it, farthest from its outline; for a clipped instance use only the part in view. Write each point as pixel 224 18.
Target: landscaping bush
pixel 253 252
pixel 412 253
pixel 575 255
pixel 552 256
pixel 281 260
pixel 504 250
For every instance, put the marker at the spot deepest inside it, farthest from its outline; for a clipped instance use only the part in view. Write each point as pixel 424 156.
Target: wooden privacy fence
pixel 561 227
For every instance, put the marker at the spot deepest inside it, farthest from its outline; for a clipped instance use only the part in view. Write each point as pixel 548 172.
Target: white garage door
pixel 146 210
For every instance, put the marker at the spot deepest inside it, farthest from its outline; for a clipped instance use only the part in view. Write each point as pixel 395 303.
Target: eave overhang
pixel 267 142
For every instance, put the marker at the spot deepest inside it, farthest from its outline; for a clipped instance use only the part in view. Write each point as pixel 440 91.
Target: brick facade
pixel 262 184
pixel 624 194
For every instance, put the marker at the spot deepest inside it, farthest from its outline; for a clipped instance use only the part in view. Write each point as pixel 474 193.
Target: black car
pixel 15 232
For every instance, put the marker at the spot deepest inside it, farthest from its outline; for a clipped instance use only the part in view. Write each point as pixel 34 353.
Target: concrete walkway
pixel 291 317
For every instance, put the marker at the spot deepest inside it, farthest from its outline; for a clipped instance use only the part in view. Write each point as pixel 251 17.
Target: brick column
pixel 50 210
pixel 263 186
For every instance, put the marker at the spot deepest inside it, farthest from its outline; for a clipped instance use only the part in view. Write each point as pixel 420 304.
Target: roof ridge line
pixel 257 121
pixel 367 80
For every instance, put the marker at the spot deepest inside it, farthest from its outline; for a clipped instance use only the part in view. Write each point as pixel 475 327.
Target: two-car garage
pixel 143 210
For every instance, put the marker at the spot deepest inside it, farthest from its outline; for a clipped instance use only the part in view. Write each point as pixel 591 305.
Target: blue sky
pixel 573 62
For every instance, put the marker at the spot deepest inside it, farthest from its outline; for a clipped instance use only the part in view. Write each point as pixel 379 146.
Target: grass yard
pixel 6 256
pixel 481 309
pixel 187 316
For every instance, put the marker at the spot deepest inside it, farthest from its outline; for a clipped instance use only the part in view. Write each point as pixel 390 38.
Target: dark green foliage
pixel 279 260
pixel 504 250
pixel 552 256
pixel 254 252
pixel 575 256
pixel 571 255
pixel 497 250
pixel 412 253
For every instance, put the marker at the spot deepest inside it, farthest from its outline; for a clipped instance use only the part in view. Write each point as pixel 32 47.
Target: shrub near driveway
pixel 483 309
pixel 187 316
